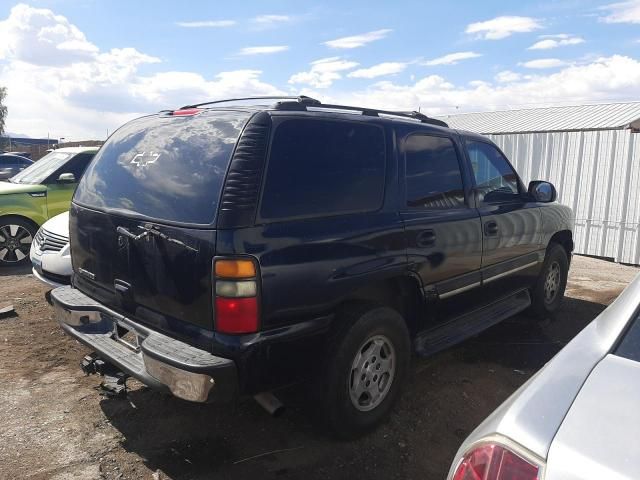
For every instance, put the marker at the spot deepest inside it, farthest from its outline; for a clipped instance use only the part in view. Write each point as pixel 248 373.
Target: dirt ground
pixel 56 424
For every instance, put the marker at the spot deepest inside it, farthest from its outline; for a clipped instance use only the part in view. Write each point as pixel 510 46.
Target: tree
pixel 3 109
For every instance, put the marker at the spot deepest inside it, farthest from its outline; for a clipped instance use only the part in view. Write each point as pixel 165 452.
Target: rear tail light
pixel 236 296
pixel 492 461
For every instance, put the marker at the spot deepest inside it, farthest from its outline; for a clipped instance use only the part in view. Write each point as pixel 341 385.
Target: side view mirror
pixel 67 178
pixel 543 192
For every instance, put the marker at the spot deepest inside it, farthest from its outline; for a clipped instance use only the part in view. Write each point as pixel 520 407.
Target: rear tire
pixel 367 363
pixel 16 235
pixel 548 292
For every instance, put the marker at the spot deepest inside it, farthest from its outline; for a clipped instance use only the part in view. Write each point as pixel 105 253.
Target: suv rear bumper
pixel 155 359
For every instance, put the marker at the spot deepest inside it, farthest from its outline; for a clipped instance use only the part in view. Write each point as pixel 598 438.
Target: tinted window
pixel 42 169
pixel 496 181
pixel 433 177
pixel 77 165
pixel 164 167
pixel 319 167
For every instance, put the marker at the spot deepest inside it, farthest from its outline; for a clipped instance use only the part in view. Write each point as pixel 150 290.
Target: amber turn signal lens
pixel 235 269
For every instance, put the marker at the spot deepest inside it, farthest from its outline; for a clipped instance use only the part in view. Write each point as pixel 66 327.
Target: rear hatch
pixel 142 222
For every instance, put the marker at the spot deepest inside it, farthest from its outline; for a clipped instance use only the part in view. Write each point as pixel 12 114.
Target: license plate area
pixel 126 337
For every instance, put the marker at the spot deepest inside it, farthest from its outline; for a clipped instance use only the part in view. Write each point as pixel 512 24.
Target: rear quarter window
pixel 323 167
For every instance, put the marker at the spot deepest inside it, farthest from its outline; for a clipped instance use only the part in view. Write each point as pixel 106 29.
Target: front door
pixel 443 233
pixel 59 193
pixel 511 223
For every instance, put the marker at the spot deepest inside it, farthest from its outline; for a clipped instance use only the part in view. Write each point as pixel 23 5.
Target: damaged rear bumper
pixel 155 359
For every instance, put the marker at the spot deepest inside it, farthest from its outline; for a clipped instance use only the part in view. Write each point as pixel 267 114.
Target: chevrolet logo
pixel 145 158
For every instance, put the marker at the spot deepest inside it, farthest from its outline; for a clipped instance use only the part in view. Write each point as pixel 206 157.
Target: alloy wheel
pixel 15 242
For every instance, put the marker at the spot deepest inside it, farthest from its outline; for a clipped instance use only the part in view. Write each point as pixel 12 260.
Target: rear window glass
pixel 163 167
pixel 629 346
pixel 321 167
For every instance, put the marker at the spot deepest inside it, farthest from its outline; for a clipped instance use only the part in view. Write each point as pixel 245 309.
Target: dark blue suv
pixel 226 249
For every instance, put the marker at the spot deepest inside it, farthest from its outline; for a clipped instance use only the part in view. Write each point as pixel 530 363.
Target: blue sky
pixel 80 68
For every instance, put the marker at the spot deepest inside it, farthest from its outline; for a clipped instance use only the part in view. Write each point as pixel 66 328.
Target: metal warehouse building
pixel 591 153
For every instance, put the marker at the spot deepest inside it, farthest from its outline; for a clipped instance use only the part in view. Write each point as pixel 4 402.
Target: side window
pixel 496 181
pixel 433 178
pixel 77 165
pixel 321 167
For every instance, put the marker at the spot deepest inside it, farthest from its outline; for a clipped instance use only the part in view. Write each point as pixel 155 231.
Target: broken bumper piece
pixel 155 359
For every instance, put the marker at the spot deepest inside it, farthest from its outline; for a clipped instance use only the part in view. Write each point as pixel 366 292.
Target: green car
pixel 36 194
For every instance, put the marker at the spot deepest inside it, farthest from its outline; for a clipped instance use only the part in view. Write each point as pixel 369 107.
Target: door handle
pixel 426 238
pixel 491 228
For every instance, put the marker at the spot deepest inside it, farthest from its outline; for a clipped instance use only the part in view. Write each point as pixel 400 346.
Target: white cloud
pixel 38 36
pixel 452 58
pixel 555 41
pixel 207 24
pixel 622 12
pixel 379 70
pixel 544 63
pixel 614 78
pixel 323 72
pixel 503 27
pixel 356 41
pixel 266 21
pixel 507 76
pixel 60 84
pixel 263 50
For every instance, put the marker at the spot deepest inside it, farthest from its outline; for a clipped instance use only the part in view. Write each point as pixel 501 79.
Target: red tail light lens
pixel 236 295
pixel 495 462
pixel 236 315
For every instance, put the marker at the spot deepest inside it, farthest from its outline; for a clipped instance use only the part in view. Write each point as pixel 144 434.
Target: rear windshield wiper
pixel 152 231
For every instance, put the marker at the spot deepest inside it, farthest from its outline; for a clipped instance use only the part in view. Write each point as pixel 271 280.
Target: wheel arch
pixel 30 221
pixel 402 293
pixel 563 238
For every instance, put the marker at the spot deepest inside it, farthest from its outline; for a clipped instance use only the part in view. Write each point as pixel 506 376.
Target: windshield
pixel 164 167
pixel 43 168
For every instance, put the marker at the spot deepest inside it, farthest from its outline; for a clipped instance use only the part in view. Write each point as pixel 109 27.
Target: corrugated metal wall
pixel 597 173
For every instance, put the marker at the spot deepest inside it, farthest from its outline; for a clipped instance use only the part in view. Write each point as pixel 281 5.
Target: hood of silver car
pixel 598 438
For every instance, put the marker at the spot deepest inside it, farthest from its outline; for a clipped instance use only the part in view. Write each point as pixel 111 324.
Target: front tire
pixel 366 367
pixel 16 236
pixel 548 293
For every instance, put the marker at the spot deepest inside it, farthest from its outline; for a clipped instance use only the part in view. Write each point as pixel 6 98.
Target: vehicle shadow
pixel 17 270
pixel 447 395
pixel 524 342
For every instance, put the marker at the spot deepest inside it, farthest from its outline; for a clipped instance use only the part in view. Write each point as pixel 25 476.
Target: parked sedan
pixel 11 164
pixel 576 419
pixel 36 194
pixel 50 254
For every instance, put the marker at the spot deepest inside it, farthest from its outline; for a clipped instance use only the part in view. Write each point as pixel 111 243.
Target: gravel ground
pixel 56 424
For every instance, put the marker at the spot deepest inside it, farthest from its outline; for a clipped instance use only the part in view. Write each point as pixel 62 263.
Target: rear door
pixel 443 235
pixel 143 219
pixel 511 223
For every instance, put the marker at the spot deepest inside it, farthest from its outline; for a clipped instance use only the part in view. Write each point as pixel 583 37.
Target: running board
pixel 470 324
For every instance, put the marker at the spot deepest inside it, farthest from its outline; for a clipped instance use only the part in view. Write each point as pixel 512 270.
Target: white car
pixel 50 253
pixel 577 418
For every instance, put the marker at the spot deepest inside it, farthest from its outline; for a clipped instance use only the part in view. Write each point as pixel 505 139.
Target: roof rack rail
pixel 302 99
pixel 374 112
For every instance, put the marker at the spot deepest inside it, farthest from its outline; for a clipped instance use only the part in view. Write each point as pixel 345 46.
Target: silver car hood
pixel 598 438
pixel 533 414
